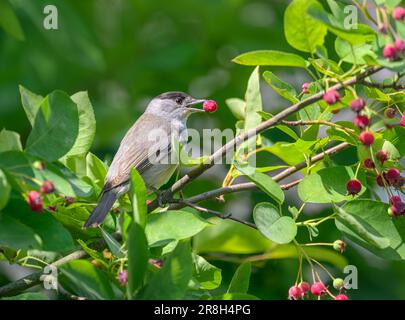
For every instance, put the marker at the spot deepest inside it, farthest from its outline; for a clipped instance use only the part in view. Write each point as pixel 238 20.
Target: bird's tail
pixel 103 207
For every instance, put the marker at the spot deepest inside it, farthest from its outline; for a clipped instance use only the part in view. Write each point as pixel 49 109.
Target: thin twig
pixel 395 86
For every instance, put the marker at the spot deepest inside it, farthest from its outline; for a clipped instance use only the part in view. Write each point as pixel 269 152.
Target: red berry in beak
pixel 210 106
pixel 390 52
pixel 353 186
pixel 47 187
pixel 382 156
pixel 361 121
pixel 369 164
pixel 318 289
pixel 294 293
pixel 398 13
pixel 366 138
pixel 305 87
pixel 35 201
pixel 341 296
pixel 357 105
pixel 331 96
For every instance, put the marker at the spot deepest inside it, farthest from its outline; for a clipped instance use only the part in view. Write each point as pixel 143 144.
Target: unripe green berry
pixel 339 245
pixel 338 284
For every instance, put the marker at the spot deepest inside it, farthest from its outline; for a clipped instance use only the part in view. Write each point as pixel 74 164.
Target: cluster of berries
pixel 394 51
pixel 318 289
pixel 34 198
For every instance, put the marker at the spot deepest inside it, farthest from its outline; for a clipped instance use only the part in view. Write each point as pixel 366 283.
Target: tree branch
pixel 179 184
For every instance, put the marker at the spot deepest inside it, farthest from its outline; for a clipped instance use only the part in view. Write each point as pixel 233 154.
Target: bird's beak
pixel 193 102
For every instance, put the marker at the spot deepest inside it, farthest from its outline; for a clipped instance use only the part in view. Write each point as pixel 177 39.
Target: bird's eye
pixel 179 100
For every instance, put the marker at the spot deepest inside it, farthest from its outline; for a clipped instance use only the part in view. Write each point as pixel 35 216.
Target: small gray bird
pixel 147 147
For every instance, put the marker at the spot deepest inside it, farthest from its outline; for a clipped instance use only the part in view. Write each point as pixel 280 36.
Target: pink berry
pixel 353 186
pixel 395 199
pixel 398 13
pixel 122 277
pixel 305 287
pixel 318 288
pixel 400 45
pixel 357 105
pixel 390 52
pixel 47 187
pixel 402 122
pixel 305 87
pixel 361 121
pixel 369 164
pixel 366 138
pixel 382 156
pixel 331 96
pixel 210 106
pixel 392 175
pixel 380 180
pixel 35 201
pixel 294 293
pixel 341 296
pixel 390 113
pixel 398 208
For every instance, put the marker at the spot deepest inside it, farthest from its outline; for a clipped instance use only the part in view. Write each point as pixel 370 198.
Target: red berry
pixel 331 96
pixel 361 121
pixel 398 183
pixel 294 293
pixel 47 187
pixel 35 201
pixel 318 289
pixel 353 186
pixel 210 106
pixel 305 287
pixel 398 208
pixel 398 13
pixel 390 113
pixel 395 199
pixel 357 105
pixel 366 138
pixel 380 180
pixel 390 52
pixel 400 45
pixel 122 277
pixel 369 164
pixel 402 122
pixel 382 156
pixel 305 87
pixel 392 175
pixel 341 296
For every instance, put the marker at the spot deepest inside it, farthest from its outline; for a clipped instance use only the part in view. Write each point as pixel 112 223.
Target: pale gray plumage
pixel 166 115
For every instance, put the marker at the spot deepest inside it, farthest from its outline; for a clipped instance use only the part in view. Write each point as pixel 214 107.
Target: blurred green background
pixel 125 52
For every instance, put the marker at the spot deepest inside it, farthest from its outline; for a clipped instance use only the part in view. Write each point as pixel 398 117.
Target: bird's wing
pixel 147 137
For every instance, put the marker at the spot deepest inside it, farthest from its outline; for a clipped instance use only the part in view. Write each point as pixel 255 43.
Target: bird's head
pixel 174 105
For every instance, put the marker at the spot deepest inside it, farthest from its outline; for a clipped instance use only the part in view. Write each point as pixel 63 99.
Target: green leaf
pixel 234 296
pixel 113 245
pixel 328 185
pixel 138 255
pixel 96 170
pixel 173 225
pixel 264 183
pixel 55 128
pixel 303 32
pixel 253 100
pixel 270 58
pixel 228 236
pixel 237 107
pixel 138 191
pixel 241 278
pixel 282 88
pixel 393 153
pixel 9 141
pixel 31 103
pixel 361 228
pixel 172 280
pixel 28 296
pixel 274 226
pixel 9 21
pixel 372 215
pixel 397 137
pixel 87 125
pixel 85 280
pixel 353 53
pixel 5 190
pixel 205 275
